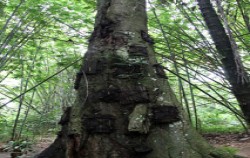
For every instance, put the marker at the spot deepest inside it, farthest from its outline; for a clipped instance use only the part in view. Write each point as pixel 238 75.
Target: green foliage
pixel 51 36
pixel 39 38
pixel 184 46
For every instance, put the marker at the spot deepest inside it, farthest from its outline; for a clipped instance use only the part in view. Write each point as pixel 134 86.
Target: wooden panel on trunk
pixel 142 150
pixel 99 124
pixel 159 70
pixel 106 28
pixel 165 114
pixel 94 66
pixel 126 70
pixel 137 95
pixel 90 67
pixel 109 95
pixel 146 37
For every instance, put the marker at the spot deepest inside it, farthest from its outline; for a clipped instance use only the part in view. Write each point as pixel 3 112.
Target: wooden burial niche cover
pixel 109 95
pixel 100 124
pixel 128 71
pixel 146 37
pixel 93 64
pixel 159 70
pixel 142 150
pixel 165 114
pixel 137 94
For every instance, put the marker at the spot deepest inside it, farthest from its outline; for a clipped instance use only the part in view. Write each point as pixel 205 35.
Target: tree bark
pixel 125 107
pixel 231 62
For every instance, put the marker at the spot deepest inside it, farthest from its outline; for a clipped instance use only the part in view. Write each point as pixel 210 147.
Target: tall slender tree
pixel 125 107
pixel 231 62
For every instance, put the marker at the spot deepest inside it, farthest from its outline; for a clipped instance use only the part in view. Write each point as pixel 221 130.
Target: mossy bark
pixel 125 107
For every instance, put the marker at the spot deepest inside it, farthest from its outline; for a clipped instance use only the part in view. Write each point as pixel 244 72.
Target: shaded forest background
pixel 42 44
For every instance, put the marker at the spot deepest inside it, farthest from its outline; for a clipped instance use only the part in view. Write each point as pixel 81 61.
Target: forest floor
pixel 238 142
pixel 41 144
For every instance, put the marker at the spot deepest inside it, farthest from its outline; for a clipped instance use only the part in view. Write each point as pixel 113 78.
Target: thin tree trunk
pixel 244 14
pixel 234 71
pixel 192 97
pixel 125 107
pixel 22 87
pixel 26 115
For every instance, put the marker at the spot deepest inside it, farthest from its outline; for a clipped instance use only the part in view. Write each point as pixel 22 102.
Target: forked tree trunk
pixel 232 65
pixel 130 110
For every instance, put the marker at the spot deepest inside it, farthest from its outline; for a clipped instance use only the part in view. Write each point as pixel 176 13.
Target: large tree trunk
pixel 125 107
pixel 232 65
